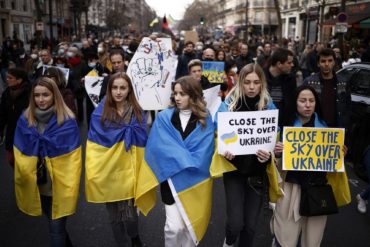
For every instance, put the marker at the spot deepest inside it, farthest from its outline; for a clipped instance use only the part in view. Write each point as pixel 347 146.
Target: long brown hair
pixel 110 112
pixel 197 104
pixel 60 108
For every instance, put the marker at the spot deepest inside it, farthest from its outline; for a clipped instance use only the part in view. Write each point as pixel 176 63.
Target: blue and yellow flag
pixel 60 145
pixel 113 157
pixel 185 165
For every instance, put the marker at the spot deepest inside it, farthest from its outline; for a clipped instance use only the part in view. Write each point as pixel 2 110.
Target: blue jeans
pixel 57 228
pixel 366 193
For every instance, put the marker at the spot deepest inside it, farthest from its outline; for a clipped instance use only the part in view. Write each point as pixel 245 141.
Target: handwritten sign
pixel 93 86
pixel 212 99
pixel 247 132
pixel 213 71
pixel 313 149
pixel 152 70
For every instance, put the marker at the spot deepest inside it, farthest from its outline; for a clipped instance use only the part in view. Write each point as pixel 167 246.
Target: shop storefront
pixel 358 21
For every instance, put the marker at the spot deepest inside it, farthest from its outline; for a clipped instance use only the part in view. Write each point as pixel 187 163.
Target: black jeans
pixel 243 208
pixel 123 230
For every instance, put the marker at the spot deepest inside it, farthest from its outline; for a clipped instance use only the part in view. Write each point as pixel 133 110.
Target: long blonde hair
pixel 60 108
pixel 238 91
pixel 197 104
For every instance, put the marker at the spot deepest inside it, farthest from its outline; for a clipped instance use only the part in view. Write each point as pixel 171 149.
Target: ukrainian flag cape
pixel 113 157
pixel 185 165
pixel 60 145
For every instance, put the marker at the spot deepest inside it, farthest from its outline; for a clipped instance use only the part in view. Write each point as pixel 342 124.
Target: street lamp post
pixel 51 24
pixel 321 5
pixel 246 20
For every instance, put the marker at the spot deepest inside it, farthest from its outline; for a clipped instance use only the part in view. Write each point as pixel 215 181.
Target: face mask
pixel 235 70
pixel 199 48
pixel 70 54
pixel 60 65
pixel 33 56
pixel 100 49
pixel 61 52
pixel 92 65
pixel 22 56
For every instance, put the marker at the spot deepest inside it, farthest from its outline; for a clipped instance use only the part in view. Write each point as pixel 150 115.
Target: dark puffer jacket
pixel 13 102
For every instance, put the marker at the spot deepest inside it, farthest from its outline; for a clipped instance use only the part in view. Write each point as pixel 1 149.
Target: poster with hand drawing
pixel 93 86
pixel 152 70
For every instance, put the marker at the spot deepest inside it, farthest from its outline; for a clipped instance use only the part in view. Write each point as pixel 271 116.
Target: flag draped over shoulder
pixel 113 157
pixel 185 165
pixel 60 146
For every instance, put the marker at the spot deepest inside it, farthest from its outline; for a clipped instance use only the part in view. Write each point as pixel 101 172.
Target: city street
pixel 89 227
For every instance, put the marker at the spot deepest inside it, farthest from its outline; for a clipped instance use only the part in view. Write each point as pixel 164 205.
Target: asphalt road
pixel 89 227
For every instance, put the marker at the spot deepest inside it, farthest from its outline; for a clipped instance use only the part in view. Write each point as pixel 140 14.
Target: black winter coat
pixel 13 102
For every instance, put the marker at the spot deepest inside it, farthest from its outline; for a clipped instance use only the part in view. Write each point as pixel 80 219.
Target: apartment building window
pixel 25 5
pixel 12 4
pixel 2 4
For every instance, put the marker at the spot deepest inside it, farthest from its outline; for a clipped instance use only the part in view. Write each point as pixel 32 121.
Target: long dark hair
pixel 291 114
pixel 110 113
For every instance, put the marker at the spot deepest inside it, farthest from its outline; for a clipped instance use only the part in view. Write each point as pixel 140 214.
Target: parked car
pixel 358 75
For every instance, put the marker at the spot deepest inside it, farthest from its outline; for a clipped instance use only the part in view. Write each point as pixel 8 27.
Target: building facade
pixel 232 15
pixel 136 13
pixel 315 20
pixel 16 19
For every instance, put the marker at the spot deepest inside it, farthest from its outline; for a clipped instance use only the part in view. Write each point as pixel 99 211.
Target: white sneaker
pixel 361 204
pixel 226 245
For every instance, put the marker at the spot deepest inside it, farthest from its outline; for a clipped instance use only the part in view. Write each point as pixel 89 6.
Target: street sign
pixel 341 27
pixel 39 26
pixel 342 17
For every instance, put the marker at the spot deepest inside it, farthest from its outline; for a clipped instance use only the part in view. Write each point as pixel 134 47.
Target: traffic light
pixel 201 20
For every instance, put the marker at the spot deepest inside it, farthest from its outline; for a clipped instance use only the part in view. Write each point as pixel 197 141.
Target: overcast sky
pixel 175 8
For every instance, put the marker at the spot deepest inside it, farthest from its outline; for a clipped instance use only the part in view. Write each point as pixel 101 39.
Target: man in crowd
pixel 184 59
pixel 117 59
pixel 334 92
pixel 244 58
pixel 263 59
pixel 281 83
pixel 209 55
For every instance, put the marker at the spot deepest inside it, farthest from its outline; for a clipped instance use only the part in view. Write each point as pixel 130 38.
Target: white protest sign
pixel 247 132
pixel 212 99
pixel 152 70
pixel 93 86
pixel 64 70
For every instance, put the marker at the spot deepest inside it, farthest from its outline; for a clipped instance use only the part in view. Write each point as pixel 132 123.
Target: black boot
pixel 136 242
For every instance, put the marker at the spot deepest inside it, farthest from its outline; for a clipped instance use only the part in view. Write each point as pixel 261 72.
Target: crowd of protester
pixel 260 74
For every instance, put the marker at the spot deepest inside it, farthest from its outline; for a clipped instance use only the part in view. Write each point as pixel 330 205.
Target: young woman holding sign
pixel 244 186
pixel 287 222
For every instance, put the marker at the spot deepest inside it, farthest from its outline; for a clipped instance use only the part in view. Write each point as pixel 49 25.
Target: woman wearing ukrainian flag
pixel 47 152
pixel 114 152
pixel 178 157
